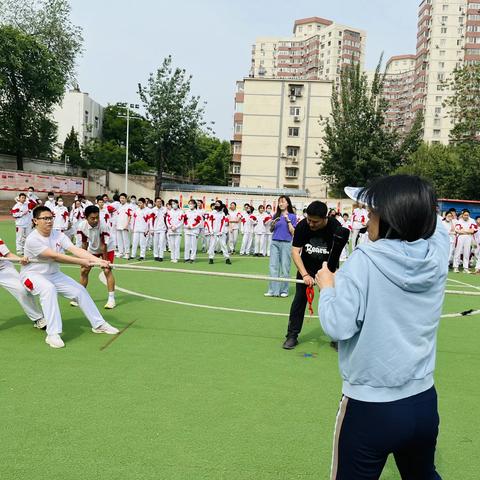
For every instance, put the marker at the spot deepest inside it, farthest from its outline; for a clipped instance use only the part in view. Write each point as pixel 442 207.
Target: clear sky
pixel 127 40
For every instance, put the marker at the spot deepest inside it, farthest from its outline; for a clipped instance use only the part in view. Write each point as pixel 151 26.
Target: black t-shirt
pixel 315 245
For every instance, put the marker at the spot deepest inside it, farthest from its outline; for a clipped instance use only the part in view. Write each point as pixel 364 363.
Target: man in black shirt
pixel 312 242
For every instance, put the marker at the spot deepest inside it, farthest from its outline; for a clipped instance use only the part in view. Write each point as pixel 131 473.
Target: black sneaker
pixel 160 259
pixel 334 345
pixel 290 343
pixel 186 260
pixel 228 261
pixel 156 259
pixel 140 259
pixel 210 261
pixel 191 261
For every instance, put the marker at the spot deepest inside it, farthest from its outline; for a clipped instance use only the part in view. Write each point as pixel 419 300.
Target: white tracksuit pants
pixel 21 235
pixel 260 243
pixel 452 249
pixel 139 238
pixel 123 242
pixel 159 243
pixel 268 244
pixel 464 243
pixel 48 286
pixel 218 240
pixel 232 239
pixel 246 243
pixel 10 280
pixel 190 252
pixel 174 244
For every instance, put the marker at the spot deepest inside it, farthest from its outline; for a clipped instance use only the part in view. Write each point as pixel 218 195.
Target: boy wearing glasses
pixel 46 280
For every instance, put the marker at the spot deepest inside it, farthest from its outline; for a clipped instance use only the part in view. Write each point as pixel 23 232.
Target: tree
pixel 71 150
pixel 464 104
pixel 104 155
pixel 358 145
pixel 175 115
pixel 30 84
pixel 213 168
pixel 38 47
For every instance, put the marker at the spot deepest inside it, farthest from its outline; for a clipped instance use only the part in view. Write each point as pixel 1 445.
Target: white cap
pixel 355 193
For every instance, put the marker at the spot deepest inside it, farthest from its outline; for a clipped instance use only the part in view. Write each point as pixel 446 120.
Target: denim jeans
pixel 280 261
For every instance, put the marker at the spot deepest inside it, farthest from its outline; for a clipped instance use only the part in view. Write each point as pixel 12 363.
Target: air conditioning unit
pixel 294 160
pixel 296 118
pixel 293 98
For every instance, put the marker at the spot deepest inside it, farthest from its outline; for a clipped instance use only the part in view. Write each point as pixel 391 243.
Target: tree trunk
pixel 159 176
pixel 19 160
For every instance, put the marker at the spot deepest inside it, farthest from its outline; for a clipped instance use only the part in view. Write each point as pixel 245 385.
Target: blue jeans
pixel 280 261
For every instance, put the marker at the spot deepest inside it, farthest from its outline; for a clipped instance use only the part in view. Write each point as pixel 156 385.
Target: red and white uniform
pixel 268 235
pixel 10 281
pixel 32 200
pixel 359 221
pixel 463 244
pixel 125 214
pixel 452 235
pixel 217 226
pixel 159 231
pixel 260 230
pixel 141 227
pixel 234 219
pixel 191 229
pixel 46 280
pixel 23 224
pixel 476 239
pixel 76 216
pixel 249 221
pixel 50 204
pixel 97 237
pixel 174 220
pixel 61 217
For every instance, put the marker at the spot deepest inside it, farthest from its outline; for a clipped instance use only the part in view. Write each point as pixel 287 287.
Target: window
pixel 97 123
pixel 436 122
pixel 440 77
pixel 296 90
pixel 238 128
pixel 438 110
pixel 438 99
pixel 85 120
pixel 442 53
pixel 239 107
pixel 444 8
pixel 295 111
pixel 292 151
pixel 444 19
pixel 236 169
pixel 436 132
pixel 443 30
pixel 291 172
pixel 443 42
pixel 237 148
pixel 293 131
pixel 441 64
pixel 300 28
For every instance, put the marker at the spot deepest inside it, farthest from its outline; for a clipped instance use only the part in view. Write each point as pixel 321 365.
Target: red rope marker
pixel 310 296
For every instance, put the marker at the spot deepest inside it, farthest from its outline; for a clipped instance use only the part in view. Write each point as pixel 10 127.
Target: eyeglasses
pixel 47 219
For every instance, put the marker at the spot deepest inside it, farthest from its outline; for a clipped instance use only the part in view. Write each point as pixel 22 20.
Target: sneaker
pixel 159 259
pixel 290 343
pixel 174 261
pixel 141 258
pixel 109 305
pixel 54 341
pixel 155 258
pixel 455 270
pixel 41 324
pixel 73 303
pixel 268 294
pixel 210 261
pixel 228 261
pixel 126 256
pixel 191 261
pixel 284 295
pixel 466 270
pixel 106 328
pixel 334 345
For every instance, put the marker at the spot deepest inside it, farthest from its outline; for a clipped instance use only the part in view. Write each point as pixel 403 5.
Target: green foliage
pixel 38 47
pixel 139 167
pixel 358 146
pixel 175 116
pixel 71 150
pixel 30 84
pixel 213 160
pixel 105 155
pixel 464 104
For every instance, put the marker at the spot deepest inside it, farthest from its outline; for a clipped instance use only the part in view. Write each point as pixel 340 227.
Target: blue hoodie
pixel 384 312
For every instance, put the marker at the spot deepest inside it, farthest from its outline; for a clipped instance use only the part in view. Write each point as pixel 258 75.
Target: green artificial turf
pixel 193 393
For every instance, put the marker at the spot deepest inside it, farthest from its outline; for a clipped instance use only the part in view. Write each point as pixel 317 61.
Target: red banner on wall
pixel 19 181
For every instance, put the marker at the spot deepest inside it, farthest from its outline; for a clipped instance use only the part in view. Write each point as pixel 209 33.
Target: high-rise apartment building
pixel 398 90
pixel 278 134
pixel 448 37
pixel 318 49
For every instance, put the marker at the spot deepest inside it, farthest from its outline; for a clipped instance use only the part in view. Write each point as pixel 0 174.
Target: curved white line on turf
pixel 463 283
pixel 237 310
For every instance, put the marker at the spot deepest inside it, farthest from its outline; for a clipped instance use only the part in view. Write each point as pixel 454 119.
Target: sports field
pixel 201 391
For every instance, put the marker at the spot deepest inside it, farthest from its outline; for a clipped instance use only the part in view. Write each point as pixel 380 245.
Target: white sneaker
pixel 41 324
pixel 174 261
pixel 106 328
pixel 110 304
pixel 284 295
pixel 54 341
pixel 73 303
pixel 455 270
pixel 268 294
pixel 466 270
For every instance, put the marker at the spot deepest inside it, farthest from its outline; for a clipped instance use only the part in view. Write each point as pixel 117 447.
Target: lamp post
pixel 128 106
pixel 66 160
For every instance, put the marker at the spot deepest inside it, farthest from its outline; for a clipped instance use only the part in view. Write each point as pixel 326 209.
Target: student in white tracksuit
pixel 76 216
pixel 174 220
pixel 449 224
pixel 61 216
pixel 268 235
pixel 476 238
pixel 125 213
pixel 46 280
pixel 234 219
pixel 191 229
pixel 359 221
pixel 50 202
pixel 23 221
pixel 465 227
pixel 141 229
pixel 260 233
pixel 159 230
pixel 10 281
pixel 218 224
pixel 249 221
